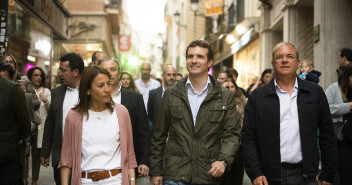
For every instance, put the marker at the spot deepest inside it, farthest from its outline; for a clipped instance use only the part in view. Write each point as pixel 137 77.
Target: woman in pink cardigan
pixel 97 144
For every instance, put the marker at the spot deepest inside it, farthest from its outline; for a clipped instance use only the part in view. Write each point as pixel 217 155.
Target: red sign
pixel 124 43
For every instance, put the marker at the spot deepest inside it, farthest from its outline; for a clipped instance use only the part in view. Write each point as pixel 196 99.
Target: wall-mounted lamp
pixel 177 19
pixel 194 5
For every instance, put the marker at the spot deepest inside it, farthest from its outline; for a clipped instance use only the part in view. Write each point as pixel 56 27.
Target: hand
pixel 45 161
pixel 217 169
pixel 43 98
pixel 143 170
pixel 157 180
pixel 323 183
pixel 261 180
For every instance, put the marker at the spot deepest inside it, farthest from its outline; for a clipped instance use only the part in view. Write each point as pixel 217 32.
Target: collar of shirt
pixel 71 88
pixel 277 87
pixel 118 92
pixel 189 85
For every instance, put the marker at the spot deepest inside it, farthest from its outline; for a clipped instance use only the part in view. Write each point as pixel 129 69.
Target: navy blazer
pixel 141 134
pixel 155 96
pixel 52 136
pixel 261 132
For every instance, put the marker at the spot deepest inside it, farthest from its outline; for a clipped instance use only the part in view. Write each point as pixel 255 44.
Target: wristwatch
pixel 132 179
pixel 224 163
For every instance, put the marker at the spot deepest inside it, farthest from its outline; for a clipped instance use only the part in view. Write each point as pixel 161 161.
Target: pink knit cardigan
pixel 71 152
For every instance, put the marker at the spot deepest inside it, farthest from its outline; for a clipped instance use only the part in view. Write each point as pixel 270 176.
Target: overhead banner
pixel 124 43
pixel 3 25
pixel 213 7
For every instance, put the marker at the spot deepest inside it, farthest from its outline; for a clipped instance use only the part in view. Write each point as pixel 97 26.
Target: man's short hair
pixel 346 52
pixel 203 44
pixel 284 43
pixel 7 68
pixel 94 55
pixel 107 59
pixel 179 74
pixel 75 61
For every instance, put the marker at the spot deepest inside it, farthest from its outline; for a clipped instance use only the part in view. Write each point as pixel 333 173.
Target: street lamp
pixel 194 7
pixel 177 19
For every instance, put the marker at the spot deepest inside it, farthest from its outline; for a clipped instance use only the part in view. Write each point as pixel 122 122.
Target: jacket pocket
pixel 171 164
pixel 217 112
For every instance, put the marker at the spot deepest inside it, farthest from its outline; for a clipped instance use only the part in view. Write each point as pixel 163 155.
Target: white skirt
pixel 114 180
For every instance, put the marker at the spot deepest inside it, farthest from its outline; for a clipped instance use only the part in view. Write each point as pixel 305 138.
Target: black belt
pixel 291 165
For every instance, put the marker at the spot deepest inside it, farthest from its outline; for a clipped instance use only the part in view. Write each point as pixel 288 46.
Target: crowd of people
pixel 103 127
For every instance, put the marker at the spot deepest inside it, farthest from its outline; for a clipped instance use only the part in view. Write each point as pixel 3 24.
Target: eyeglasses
pixel 281 57
pixel 8 62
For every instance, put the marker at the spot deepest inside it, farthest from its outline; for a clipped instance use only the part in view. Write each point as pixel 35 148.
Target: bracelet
pixel 132 179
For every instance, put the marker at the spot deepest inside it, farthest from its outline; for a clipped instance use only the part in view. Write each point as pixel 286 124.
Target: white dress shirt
pixel 290 140
pixel 144 89
pixel 195 99
pixel 71 99
pixel 116 97
pixel 100 142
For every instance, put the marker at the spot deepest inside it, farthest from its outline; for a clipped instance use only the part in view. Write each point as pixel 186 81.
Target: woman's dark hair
pixel 8 68
pixel 264 73
pixel 30 74
pixel 344 79
pixel 132 86
pixel 85 84
pixel 238 92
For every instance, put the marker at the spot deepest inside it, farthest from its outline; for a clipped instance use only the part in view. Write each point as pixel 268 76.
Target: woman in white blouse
pixel 97 146
pixel 37 76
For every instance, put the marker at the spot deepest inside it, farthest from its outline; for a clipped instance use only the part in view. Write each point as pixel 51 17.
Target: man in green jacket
pixel 197 131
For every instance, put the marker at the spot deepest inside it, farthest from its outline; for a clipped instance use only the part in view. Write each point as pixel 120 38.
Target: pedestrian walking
pixel 63 98
pixel 97 146
pixel 198 119
pixel 127 82
pixel 279 135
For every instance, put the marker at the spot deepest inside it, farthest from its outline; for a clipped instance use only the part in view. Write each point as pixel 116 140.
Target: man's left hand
pixel 323 183
pixel 217 169
pixel 143 170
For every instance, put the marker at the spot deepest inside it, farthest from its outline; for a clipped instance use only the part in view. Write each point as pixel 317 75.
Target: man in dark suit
pixel 155 95
pixel 63 98
pixel 135 106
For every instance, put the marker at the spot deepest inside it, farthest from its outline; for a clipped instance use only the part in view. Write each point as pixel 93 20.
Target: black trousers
pixel 345 161
pixel 294 176
pixel 235 175
pixel 10 173
pixel 57 176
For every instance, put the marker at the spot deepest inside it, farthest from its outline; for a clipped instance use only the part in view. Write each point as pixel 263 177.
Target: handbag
pixel 338 127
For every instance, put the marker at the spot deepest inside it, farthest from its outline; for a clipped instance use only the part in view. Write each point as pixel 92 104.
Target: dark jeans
pixel 345 161
pixel 294 176
pixel 57 175
pixel 10 173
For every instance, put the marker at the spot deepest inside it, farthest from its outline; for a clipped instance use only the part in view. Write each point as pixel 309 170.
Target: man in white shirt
pixel 134 103
pixel 281 120
pixel 146 83
pixel 63 98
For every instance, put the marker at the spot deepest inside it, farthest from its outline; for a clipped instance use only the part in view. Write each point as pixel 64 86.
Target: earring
pixel 88 94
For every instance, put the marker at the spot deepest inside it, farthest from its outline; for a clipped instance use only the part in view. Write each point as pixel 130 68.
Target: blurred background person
pixel 344 58
pixel 127 82
pixel 339 95
pixel 179 77
pixel 232 73
pixel 264 79
pixel 98 55
pixel 235 175
pixel 9 59
pixel 103 153
pixel 37 78
pixel 146 82
pixel 222 77
pixel 307 72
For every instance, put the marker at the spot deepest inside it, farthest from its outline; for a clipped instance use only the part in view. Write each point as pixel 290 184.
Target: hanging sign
pixel 213 7
pixel 124 43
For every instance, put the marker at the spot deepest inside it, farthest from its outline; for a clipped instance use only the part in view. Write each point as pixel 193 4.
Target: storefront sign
pixel 124 43
pixel 3 25
pixel 243 41
pixel 213 7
